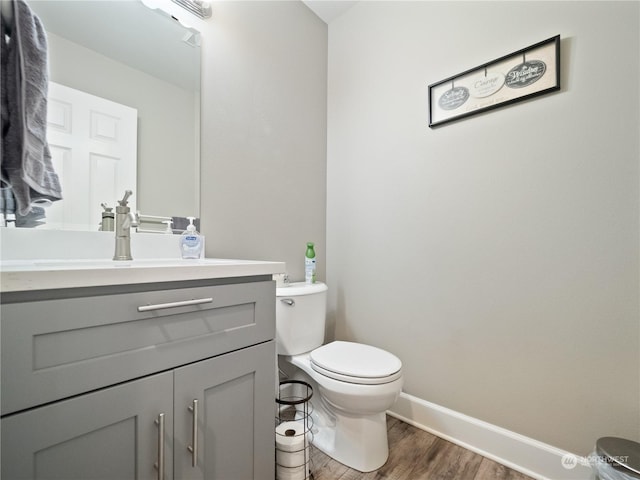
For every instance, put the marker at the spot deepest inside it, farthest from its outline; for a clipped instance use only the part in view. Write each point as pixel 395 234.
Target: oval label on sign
pixel 453 98
pixel 525 74
pixel 486 85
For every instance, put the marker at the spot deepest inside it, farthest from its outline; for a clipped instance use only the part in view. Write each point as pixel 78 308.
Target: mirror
pixel 143 58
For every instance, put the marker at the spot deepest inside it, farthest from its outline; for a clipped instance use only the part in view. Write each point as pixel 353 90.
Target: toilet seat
pixel 356 363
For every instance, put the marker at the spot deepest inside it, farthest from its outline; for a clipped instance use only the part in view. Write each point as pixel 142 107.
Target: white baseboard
pixel 523 454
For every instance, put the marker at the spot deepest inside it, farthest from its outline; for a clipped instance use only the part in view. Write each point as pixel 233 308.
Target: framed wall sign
pixel 532 71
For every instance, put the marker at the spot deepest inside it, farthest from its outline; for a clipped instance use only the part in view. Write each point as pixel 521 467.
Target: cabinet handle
pixel 160 464
pixel 183 303
pixel 193 448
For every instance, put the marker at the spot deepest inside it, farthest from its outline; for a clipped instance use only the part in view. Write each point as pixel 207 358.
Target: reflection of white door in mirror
pixel 93 144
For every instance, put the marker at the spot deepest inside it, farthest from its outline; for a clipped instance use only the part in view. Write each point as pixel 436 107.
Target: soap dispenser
pixel 190 241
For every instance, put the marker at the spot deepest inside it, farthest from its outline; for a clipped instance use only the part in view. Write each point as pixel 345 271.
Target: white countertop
pixel 29 275
pixel 32 259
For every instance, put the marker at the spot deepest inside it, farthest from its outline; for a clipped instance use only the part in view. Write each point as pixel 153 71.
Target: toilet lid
pixel 356 363
pixel 301 288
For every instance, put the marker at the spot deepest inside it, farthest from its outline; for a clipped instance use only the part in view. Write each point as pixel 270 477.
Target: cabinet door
pixel 235 416
pixel 108 434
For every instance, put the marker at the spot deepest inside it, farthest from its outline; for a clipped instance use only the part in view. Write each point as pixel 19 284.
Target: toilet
pixel 353 384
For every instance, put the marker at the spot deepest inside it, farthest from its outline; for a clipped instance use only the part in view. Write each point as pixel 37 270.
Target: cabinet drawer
pixel 52 349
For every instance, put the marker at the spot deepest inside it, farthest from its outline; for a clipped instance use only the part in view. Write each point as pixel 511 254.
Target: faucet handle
pixel 127 194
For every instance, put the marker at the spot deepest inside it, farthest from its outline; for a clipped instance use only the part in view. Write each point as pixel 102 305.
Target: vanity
pixel 147 369
pixel 151 368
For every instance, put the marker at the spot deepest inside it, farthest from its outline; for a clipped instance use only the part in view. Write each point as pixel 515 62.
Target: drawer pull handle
pixel 183 303
pixel 160 464
pixel 193 448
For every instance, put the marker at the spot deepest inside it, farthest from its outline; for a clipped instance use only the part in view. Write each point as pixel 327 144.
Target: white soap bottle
pixel 190 241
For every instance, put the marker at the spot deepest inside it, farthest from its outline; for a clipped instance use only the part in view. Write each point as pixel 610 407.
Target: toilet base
pixel 349 421
pixel 357 442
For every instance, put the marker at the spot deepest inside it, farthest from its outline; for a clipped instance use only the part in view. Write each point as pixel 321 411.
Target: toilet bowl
pixel 354 384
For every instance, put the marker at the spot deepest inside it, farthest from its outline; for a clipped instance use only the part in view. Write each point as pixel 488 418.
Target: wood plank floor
pixel 417 455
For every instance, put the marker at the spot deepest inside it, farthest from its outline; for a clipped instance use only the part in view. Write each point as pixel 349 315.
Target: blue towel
pixel 26 164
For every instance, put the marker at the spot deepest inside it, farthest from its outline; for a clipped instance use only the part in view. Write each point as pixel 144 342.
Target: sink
pixel 155 259
pixel 99 263
pixel 43 274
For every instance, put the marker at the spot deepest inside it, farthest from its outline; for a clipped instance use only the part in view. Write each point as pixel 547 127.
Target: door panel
pixel 236 411
pixel 106 435
pixel 93 143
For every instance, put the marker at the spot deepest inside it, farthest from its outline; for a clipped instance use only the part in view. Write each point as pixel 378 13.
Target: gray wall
pixel 263 173
pixel 498 256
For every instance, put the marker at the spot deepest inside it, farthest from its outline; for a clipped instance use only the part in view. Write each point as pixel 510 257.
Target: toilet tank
pixel 300 317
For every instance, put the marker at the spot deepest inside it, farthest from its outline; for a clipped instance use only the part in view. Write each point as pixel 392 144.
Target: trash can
pixel 617 459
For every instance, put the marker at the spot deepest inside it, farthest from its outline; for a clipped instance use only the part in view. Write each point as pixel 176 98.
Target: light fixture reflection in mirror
pixel 198 7
pixel 128 53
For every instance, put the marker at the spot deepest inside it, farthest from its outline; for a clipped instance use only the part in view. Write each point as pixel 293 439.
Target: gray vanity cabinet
pixel 109 434
pixel 189 388
pixel 234 398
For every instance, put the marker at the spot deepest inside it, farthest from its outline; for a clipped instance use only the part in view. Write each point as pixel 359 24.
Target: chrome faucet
pixel 124 221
